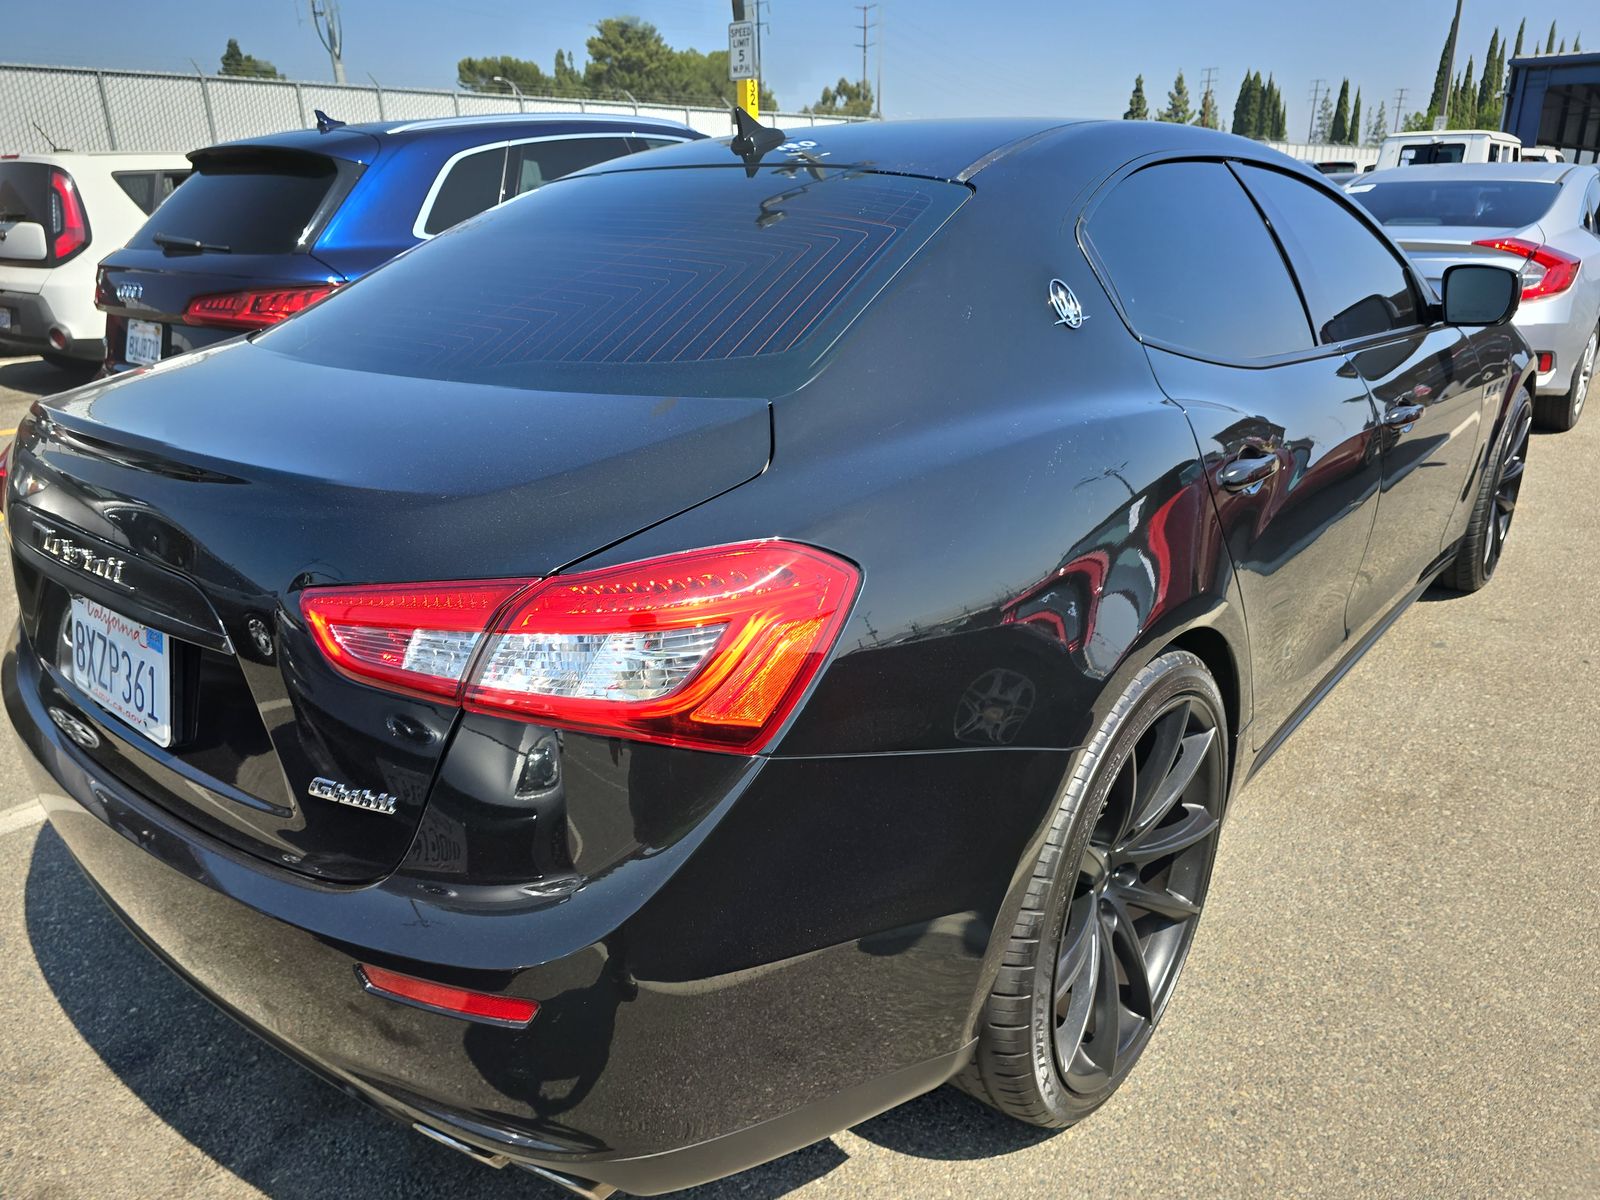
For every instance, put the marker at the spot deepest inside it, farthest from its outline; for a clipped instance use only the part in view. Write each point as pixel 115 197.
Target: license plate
pixel 5 318
pixel 144 343
pixel 124 667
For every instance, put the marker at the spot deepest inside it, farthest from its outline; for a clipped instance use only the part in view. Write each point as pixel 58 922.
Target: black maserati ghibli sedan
pixel 749 633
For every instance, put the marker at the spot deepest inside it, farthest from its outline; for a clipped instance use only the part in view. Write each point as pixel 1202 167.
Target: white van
pixel 1448 146
pixel 1544 154
pixel 60 214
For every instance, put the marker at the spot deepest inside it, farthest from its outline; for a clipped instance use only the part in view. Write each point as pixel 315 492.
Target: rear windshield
pixel 1428 153
pixel 24 192
pixel 254 206
pixel 1489 203
pixel 691 281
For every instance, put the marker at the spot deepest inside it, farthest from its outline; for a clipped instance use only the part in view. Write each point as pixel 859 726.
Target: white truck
pixel 1448 146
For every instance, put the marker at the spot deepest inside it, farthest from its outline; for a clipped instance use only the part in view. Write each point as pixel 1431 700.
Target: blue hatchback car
pixel 267 226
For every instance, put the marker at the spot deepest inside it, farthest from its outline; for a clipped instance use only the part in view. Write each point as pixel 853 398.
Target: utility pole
pixel 865 41
pixel 1399 106
pixel 1311 125
pixel 1209 76
pixel 879 97
pixel 330 32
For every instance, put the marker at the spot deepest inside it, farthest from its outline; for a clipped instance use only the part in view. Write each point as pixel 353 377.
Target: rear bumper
pixel 645 1084
pixel 33 319
pixel 1552 327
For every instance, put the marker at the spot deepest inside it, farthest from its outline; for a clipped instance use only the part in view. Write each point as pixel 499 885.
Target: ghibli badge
pixel 339 793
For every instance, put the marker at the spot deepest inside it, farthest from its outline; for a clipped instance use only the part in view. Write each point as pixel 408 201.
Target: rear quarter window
pixel 692 281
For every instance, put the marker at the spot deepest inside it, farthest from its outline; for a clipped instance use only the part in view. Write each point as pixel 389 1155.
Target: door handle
pixel 1403 416
pixel 1246 474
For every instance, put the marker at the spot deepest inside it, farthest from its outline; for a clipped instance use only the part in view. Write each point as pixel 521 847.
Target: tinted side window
pixel 1353 283
pixel 535 164
pixel 472 186
pixel 1195 267
pixel 148 189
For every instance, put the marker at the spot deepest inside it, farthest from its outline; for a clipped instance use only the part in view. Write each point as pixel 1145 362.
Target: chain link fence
pixel 72 108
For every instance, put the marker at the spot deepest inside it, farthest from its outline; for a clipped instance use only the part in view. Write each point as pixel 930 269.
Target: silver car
pixel 1541 218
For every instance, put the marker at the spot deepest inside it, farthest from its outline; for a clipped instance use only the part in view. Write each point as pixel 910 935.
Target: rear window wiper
pixel 168 241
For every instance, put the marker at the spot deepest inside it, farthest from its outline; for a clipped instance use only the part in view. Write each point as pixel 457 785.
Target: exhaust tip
pixel 58 337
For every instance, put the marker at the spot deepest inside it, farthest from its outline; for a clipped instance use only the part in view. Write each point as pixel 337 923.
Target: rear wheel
pixel 1561 413
pixel 1495 507
pixel 1112 904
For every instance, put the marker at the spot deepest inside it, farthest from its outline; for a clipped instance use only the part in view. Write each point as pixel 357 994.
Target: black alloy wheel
pixel 1112 904
pixel 1490 524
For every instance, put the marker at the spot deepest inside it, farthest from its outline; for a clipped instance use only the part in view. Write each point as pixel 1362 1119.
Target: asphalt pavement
pixel 1393 992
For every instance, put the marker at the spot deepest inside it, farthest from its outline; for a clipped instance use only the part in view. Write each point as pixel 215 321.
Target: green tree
pixel 478 75
pixel 627 54
pixel 566 79
pixel 1417 122
pixel 1242 124
pixel 1354 133
pixel 1274 113
pixel 1521 29
pixel 844 99
pixel 1209 117
pixel 1491 76
pixel 1550 42
pixel 1438 101
pixel 1563 49
pixel 236 62
pixel 1339 127
pixel 1322 129
pixel 1577 43
pixel 1138 107
pixel 1379 129
pixel 1177 111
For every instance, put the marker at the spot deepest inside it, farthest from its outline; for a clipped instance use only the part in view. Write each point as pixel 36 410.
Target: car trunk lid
pixel 277 488
pixel 1436 248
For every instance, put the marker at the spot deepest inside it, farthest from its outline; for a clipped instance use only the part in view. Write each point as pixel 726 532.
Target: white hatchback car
pixel 53 209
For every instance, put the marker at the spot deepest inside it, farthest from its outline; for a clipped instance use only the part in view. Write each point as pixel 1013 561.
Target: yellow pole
pixel 749 94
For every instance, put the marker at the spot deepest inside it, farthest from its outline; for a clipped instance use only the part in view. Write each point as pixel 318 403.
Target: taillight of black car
pixel 709 648
pixel 255 308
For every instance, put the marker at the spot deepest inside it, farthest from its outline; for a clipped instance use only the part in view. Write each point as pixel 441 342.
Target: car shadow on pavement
pixel 36 377
pixel 252 1110
pixel 947 1124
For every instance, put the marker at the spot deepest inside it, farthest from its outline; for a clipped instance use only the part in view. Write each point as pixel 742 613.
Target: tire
pixel 1495 505
pixel 1561 413
pixel 1043 1053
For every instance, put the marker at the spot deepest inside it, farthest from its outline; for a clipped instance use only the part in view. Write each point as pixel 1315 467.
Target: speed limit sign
pixel 742 62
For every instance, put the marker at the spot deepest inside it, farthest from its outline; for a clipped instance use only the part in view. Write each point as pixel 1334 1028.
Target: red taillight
pixel 710 648
pixel 414 638
pixel 253 309
pixel 69 227
pixel 1558 270
pixel 453 1001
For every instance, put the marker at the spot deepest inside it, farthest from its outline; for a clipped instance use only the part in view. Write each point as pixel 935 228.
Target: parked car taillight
pixel 253 309
pixel 69 227
pixel 1557 271
pixel 709 648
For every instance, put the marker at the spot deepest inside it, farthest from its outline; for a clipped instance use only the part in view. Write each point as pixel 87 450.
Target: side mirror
pixel 1475 295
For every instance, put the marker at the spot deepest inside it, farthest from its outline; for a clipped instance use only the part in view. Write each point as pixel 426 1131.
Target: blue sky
pixel 941 57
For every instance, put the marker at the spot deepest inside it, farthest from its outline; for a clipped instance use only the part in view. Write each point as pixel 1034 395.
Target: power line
pixel 1311 125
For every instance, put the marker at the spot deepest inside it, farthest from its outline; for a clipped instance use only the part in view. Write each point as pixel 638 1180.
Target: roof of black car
pixel 945 149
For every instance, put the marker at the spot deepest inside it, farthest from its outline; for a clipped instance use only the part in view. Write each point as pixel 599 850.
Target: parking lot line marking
pixel 6 432
pixel 20 817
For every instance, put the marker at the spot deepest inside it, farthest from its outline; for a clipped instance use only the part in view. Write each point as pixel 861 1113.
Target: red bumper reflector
pixel 441 998
pixel 1547 363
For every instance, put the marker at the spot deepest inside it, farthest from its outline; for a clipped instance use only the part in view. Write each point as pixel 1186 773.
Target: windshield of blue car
pixel 694 281
pixel 1488 203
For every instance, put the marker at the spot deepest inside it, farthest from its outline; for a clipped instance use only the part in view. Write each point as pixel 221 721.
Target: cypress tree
pixel 1260 123
pixel 1438 102
pixel 1241 103
pixel 1550 42
pixel 1521 29
pixel 1491 73
pixel 1355 131
pixel 1138 109
pixel 1339 130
